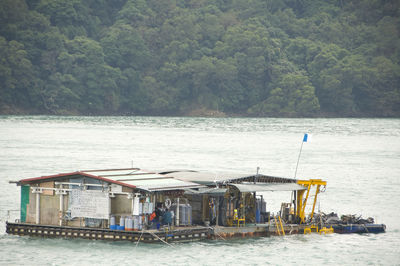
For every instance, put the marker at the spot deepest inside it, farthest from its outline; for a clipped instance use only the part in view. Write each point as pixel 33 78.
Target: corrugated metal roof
pixel 212 178
pixel 216 191
pixel 119 172
pixel 162 184
pixel 207 178
pixel 130 177
pixel 259 187
pixel 70 175
pixel 167 179
pixel 138 176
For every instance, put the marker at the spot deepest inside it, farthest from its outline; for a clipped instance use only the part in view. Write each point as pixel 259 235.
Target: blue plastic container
pixel 113 226
pixel 119 227
pixel 258 216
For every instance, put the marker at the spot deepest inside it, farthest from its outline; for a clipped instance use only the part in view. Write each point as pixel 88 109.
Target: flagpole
pixel 301 148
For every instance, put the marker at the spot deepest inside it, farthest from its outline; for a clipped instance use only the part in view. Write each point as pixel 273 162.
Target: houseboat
pixel 139 205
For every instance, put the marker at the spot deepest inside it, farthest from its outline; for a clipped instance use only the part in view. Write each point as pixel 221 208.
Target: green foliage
pixel 16 76
pixel 124 48
pixel 294 95
pixel 296 58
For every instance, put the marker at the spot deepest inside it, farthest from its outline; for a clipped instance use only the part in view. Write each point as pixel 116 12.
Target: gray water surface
pixel 359 158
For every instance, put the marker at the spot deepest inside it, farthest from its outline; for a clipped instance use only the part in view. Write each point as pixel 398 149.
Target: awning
pixel 213 178
pixel 145 180
pixel 259 187
pixel 162 184
pixel 207 191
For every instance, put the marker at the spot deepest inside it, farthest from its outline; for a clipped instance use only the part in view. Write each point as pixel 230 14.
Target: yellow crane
pixel 301 203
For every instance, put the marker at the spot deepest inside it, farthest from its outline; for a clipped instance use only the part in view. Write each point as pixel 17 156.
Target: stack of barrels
pixel 127 223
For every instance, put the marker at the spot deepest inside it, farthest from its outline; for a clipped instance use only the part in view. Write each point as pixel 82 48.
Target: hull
pixel 181 234
pixel 188 234
pixel 359 228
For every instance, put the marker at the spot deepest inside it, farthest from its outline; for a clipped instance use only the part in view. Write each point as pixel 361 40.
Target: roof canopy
pixel 71 175
pixel 259 187
pixel 145 180
pixel 128 177
pixel 163 180
pixel 213 178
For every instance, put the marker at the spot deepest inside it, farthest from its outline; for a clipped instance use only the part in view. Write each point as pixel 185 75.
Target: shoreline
pixel 194 114
pixel 198 112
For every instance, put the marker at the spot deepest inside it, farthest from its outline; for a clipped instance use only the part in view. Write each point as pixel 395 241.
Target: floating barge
pixel 147 236
pixel 137 205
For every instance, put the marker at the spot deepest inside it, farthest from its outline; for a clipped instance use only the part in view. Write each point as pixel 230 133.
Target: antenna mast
pixel 301 148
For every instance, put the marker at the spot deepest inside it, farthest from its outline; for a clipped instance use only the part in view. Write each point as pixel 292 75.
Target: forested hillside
pixel 300 58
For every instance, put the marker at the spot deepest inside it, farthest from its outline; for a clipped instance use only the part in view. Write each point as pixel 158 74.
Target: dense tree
pixel 291 58
pixel 17 76
pixel 124 47
pixel 293 95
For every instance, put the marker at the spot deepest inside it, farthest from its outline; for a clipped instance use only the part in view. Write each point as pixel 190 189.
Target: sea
pixel 359 159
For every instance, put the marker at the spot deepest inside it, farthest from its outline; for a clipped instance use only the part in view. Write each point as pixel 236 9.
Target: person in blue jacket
pixel 167 218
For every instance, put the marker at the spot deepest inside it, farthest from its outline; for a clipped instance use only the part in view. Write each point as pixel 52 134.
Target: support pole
pixel 298 159
pixel 276 225
pixel 177 212
pixel 315 201
pixel 255 208
pixel 133 205
pixel 217 212
pixel 61 207
pixel 299 200
pixel 302 216
pixel 301 148
pixel 280 222
pixel 295 205
pixel 37 207
pixel 109 210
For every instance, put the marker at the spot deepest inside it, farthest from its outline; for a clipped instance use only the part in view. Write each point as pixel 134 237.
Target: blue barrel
pixel 258 216
pixel 121 225
pixel 112 223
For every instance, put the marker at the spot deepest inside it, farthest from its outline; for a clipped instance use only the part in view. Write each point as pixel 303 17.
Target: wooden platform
pixel 181 234
pixel 256 230
pixel 178 234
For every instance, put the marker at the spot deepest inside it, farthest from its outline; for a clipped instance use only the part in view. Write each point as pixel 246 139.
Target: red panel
pixel 43 178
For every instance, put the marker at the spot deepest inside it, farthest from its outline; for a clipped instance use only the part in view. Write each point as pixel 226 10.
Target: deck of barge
pixel 178 234
pixel 258 230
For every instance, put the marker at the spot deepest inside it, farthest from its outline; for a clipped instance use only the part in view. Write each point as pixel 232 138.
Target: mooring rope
pixel 151 233
pixel 215 230
pixel 137 243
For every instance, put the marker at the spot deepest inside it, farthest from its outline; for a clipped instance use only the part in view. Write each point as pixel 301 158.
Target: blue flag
pixel 305 137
